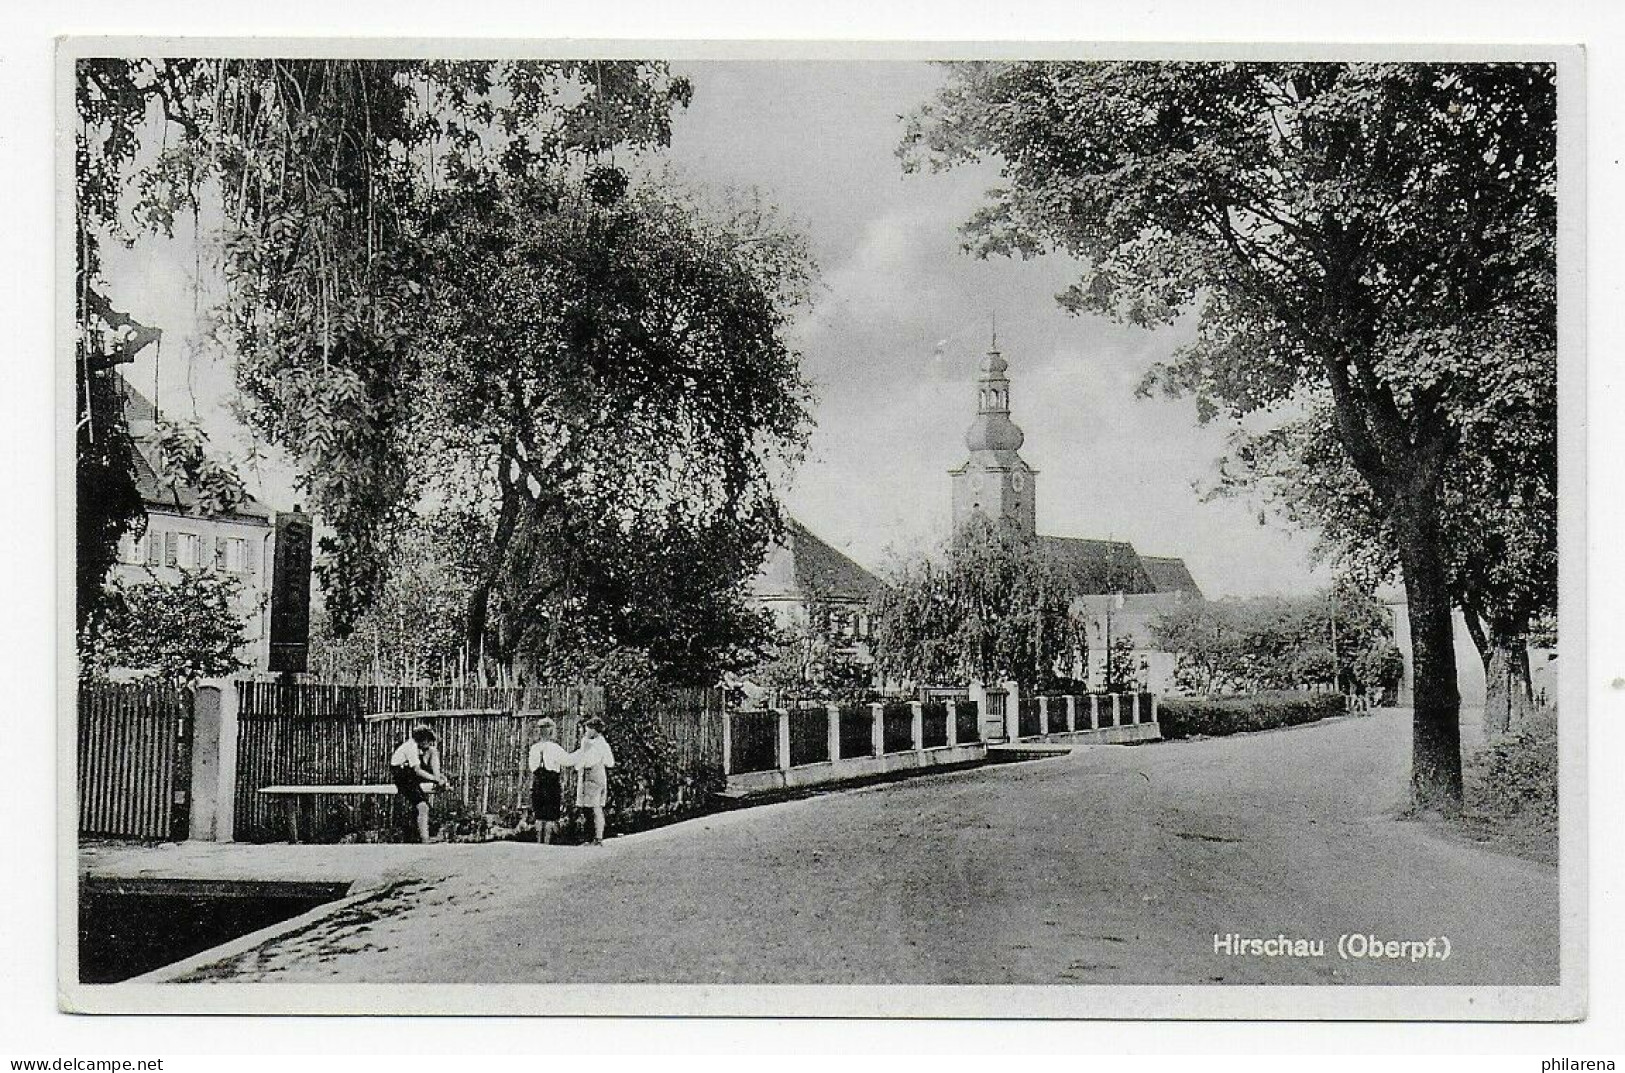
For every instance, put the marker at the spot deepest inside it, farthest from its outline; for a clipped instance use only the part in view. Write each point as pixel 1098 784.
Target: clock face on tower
pixel 1018 480
pixel 976 481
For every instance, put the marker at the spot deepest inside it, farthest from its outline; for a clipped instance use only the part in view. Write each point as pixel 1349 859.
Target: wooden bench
pixel 302 799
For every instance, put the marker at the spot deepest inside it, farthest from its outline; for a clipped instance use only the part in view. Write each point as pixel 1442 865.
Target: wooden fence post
pixel 917 724
pixel 953 723
pixel 784 739
pixel 877 729
pixel 213 788
pixel 834 731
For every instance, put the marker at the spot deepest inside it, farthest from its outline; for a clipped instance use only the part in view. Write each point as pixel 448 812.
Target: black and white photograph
pixel 966 531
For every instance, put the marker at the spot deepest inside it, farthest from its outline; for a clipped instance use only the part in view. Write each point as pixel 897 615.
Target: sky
pixel 892 342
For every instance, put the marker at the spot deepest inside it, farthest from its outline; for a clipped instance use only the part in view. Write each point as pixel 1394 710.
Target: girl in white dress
pixel 593 759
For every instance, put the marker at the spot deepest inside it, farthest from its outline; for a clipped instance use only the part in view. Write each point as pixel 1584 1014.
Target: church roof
pixel 1171 575
pixel 1098 567
pixel 139 415
pixel 804 565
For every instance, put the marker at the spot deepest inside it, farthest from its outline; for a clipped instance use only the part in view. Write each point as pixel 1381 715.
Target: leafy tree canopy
pixel 991 607
pixel 1341 636
pixel 320 170
pixel 182 631
pixel 446 299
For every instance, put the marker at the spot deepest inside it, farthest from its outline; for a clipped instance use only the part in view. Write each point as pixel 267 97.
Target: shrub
pixel 1216 716
pixel 1516 776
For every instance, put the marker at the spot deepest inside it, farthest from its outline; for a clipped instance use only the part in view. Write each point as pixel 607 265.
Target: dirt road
pixel 1111 865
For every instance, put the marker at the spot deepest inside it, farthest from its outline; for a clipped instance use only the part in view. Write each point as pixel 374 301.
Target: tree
pixel 816 658
pixel 443 293
pixel 317 171
pixel 1376 238
pixel 1340 637
pixel 1499 507
pixel 992 607
pixel 184 630
pixel 611 386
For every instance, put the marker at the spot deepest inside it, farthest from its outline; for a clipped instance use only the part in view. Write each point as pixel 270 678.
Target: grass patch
pixel 1509 791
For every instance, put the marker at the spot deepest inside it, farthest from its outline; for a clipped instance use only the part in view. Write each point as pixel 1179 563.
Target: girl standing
pixel 594 758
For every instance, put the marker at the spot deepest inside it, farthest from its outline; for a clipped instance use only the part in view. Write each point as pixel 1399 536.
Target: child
pixel 547 759
pixel 414 762
pixel 593 758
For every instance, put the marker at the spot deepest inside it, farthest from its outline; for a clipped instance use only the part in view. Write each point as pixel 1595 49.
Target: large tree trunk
pixel 1436 726
pixel 477 618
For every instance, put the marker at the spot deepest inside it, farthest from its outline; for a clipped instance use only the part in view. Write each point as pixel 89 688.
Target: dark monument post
pixel 290 593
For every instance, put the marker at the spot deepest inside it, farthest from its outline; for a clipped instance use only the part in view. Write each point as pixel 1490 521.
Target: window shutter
pixel 154 552
pixel 169 549
pixel 219 553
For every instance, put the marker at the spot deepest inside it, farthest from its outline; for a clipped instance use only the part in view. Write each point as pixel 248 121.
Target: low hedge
pixel 1189 717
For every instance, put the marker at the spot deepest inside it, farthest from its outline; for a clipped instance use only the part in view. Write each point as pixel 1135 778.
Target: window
pixel 231 554
pixel 132 549
pixel 182 550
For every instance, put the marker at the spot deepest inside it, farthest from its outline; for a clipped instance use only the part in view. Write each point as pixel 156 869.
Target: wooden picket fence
pixel 133 759
pixel 321 734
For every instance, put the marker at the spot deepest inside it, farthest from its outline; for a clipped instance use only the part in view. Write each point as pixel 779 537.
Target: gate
pixel 993 716
pixel 134 759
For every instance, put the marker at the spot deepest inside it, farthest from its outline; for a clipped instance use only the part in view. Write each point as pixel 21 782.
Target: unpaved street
pixel 1112 865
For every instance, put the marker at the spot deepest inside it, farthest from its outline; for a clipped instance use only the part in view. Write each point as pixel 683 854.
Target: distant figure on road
pixel 548 759
pixel 594 759
pixel 414 763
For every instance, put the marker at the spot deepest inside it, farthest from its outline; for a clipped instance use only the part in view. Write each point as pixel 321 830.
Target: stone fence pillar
pixel 834 731
pixel 953 723
pixel 877 730
pixel 212 792
pixel 784 739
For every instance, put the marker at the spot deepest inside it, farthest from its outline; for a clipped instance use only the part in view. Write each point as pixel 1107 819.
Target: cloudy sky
pixel 901 320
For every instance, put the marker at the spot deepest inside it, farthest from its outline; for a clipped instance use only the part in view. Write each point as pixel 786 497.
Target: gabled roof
pixel 1170 575
pixel 157 492
pixel 805 566
pixel 1098 567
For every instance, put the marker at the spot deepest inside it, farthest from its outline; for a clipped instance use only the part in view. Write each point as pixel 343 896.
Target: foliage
pixel 1378 239
pixel 816 658
pixel 1512 790
pixel 991 607
pixel 1498 500
pixel 611 387
pixel 1125 670
pixel 647 775
pixel 1187 717
pixel 181 459
pixel 184 630
pixel 1264 643
pixel 321 169
pixel 414 629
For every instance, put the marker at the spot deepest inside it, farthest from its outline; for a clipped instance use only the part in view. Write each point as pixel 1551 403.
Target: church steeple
pixel 994 481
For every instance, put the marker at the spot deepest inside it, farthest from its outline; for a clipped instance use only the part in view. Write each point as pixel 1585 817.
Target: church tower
pixel 994 481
